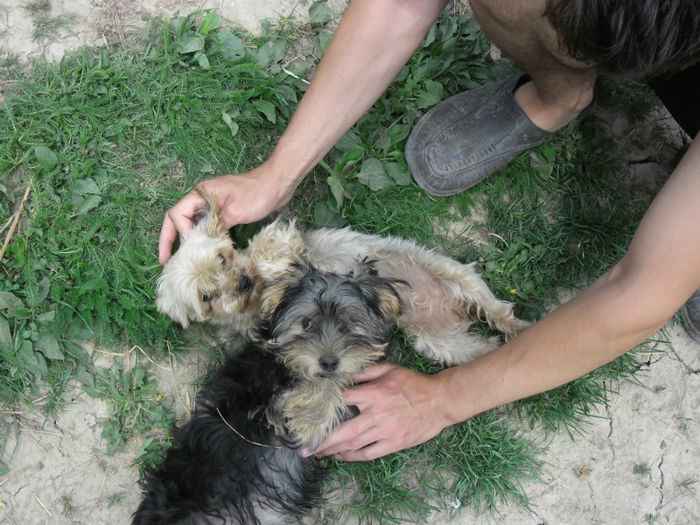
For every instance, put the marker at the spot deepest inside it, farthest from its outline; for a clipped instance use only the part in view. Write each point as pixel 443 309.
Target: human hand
pixel 399 408
pixel 243 198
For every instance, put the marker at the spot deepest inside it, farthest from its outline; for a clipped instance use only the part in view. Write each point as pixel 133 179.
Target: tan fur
pixel 443 297
pixel 307 412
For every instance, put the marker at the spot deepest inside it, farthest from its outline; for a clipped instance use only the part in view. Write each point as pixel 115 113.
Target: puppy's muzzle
pixel 245 285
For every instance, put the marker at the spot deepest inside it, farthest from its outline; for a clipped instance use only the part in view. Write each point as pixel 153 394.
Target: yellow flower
pixel 513 291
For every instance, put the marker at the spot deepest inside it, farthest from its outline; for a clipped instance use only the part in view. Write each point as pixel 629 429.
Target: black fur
pixel 212 475
pixel 227 464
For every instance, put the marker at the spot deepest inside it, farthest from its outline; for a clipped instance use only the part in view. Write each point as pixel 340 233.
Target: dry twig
pixel 14 223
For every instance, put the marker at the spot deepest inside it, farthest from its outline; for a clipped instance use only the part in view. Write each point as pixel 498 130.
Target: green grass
pixel 108 139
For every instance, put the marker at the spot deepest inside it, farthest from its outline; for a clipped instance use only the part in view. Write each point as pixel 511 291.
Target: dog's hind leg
pixel 437 317
pixel 453 347
pixel 471 296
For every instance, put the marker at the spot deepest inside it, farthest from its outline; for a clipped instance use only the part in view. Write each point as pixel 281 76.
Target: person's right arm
pixel 373 41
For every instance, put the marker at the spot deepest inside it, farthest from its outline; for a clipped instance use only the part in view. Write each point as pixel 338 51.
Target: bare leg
pixel 561 87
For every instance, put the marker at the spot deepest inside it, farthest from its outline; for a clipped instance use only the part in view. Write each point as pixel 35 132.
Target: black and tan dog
pixel 238 460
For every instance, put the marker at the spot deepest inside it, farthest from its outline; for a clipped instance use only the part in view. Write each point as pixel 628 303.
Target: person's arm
pixel 370 46
pixel 400 408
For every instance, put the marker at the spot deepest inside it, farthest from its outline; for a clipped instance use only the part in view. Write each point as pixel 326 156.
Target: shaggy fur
pixel 237 461
pixel 443 297
pixel 208 280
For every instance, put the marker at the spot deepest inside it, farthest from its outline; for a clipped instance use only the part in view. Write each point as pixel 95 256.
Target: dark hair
pixel 641 37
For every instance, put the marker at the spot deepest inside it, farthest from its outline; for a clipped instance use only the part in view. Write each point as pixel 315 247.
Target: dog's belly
pixel 427 300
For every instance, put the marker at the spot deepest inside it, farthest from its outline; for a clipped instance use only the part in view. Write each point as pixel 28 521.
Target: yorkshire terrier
pixel 238 461
pixel 208 280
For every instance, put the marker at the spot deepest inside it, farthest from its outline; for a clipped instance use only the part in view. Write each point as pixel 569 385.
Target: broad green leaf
pixel 548 152
pixel 279 49
pixel 425 100
pixel 19 313
pixel 149 388
pixel 230 45
pixel 324 38
pixel 352 156
pixel 349 142
pixel 5 334
pixel 138 376
pixel 267 109
pixel 373 175
pixel 399 175
pixel 430 37
pixel 43 292
pixel 398 132
pixel 46 317
pixel 336 189
pixel 319 12
pixel 190 43
pixel 206 167
pixel 286 93
pixel 34 361
pixel 324 215
pixel 210 22
pixel 87 379
pixel 46 157
pixel 26 354
pixel 263 55
pixel 202 60
pixel 88 204
pixel 48 345
pixel 86 187
pixel 432 95
pixel 9 300
pixel 142 449
pixel 233 125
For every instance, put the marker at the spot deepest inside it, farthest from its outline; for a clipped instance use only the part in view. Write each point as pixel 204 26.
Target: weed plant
pixel 109 138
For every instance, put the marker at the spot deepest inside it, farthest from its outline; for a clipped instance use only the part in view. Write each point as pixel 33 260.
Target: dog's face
pixel 207 279
pixel 330 327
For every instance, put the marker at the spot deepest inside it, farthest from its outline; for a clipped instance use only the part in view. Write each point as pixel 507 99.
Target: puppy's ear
pixel 383 290
pixel 389 302
pixel 168 305
pixel 274 292
pixel 210 216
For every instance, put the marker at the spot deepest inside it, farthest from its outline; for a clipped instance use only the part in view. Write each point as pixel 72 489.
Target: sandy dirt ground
pixel 637 463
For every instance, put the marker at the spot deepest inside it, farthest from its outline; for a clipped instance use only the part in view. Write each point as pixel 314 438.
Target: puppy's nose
pixel 329 363
pixel 244 285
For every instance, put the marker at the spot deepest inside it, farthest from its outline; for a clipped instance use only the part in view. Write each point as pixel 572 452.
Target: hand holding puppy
pixel 242 199
pixel 399 408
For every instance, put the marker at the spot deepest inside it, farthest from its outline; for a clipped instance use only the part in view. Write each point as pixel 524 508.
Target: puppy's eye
pixel 223 260
pixel 207 297
pixel 307 324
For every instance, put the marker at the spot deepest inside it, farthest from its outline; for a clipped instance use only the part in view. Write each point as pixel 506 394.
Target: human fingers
pixel 354 433
pixel 168 233
pixel 375 449
pixel 374 371
pixel 247 197
pixel 178 220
